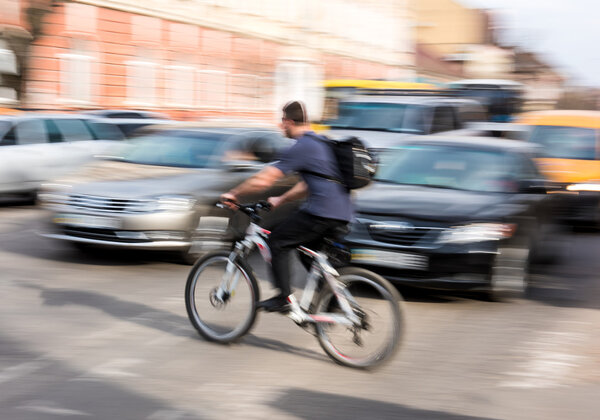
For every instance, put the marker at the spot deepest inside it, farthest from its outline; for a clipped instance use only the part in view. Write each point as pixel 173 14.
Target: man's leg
pixel 298 229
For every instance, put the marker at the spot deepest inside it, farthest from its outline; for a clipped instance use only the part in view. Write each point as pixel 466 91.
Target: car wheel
pixel 509 276
pixel 30 198
pixel 83 248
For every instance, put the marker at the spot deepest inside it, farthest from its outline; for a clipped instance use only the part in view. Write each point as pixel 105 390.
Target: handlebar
pixel 250 209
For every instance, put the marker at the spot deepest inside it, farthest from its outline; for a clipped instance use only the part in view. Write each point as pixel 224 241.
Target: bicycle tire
pixel 349 275
pixel 202 326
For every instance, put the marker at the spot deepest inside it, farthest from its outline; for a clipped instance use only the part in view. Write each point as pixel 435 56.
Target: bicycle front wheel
pixel 377 304
pixel 221 305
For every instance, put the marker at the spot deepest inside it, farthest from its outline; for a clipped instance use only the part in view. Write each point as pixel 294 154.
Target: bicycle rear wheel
pixel 377 304
pixel 223 318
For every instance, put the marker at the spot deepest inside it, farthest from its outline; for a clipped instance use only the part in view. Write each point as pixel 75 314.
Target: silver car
pixel 159 191
pixel 38 147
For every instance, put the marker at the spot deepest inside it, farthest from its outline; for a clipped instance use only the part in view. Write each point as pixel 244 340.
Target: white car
pixel 37 147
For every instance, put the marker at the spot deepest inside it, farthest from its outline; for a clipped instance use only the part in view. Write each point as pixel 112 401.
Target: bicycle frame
pixel 256 237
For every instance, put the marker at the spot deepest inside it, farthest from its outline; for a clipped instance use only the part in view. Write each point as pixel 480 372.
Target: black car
pixel 449 213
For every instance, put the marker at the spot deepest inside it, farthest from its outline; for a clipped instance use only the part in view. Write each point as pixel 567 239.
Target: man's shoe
pixel 277 303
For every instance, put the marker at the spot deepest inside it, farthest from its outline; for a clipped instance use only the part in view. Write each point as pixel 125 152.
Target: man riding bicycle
pixel 327 208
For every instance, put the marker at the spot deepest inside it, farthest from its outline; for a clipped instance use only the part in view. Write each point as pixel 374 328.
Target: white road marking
pixel 114 368
pixel 49 407
pixel 548 361
pixel 14 372
pixel 167 415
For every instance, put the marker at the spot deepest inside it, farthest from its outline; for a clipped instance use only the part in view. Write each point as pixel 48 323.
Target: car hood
pixel 129 180
pixel 189 184
pixel 443 205
pixel 372 139
pixel 114 170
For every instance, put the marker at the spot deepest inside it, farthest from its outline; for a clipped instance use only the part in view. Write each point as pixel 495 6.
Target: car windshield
pixel 375 116
pixel 174 148
pixel 452 167
pixel 565 142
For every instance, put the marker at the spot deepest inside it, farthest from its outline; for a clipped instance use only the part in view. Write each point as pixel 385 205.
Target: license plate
pixel 403 260
pixel 83 220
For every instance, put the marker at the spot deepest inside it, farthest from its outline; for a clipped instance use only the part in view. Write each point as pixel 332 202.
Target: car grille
pixel 101 234
pixel 107 205
pixel 405 237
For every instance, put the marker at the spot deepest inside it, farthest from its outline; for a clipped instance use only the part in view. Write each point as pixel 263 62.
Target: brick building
pixel 195 58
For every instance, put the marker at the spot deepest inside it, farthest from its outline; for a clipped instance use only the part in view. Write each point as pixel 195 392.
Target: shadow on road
pixel 150 317
pixel 38 387
pixel 122 309
pixel 270 344
pixel 311 405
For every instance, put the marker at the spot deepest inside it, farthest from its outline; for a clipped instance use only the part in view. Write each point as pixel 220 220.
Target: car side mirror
pixel 532 186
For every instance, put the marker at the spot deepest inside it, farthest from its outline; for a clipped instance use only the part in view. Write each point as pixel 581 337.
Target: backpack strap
pixel 327 177
pixel 328 143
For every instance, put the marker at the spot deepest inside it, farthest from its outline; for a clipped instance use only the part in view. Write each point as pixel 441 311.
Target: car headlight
pixel 477 232
pixel 54 194
pixel 177 203
pixel 166 203
pixel 53 197
pixel 584 187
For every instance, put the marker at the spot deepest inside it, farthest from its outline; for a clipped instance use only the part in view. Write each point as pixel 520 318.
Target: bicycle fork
pixel 230 280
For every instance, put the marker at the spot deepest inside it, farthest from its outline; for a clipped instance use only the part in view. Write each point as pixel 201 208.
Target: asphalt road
pixel 107 337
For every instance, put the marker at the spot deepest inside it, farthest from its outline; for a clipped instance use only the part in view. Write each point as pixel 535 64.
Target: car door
pixel 26 157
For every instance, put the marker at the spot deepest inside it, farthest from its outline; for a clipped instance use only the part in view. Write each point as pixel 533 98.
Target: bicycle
pixel 344 302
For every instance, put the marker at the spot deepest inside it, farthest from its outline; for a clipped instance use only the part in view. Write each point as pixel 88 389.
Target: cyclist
pixel 327 208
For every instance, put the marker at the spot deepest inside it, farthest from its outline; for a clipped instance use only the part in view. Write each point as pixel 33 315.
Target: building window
pixel 76 77
pixel 297 80
pixel 141 80
pixel 181 86
pixel 8 66
pixel 213 89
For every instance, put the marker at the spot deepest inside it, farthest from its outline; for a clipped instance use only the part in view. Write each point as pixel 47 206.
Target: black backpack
pixel 357 165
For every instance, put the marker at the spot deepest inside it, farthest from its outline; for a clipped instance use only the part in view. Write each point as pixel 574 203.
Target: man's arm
pixel 296 192
pixel 258 182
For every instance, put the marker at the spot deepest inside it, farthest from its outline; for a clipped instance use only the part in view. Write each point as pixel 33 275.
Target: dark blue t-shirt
pixel 326 198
